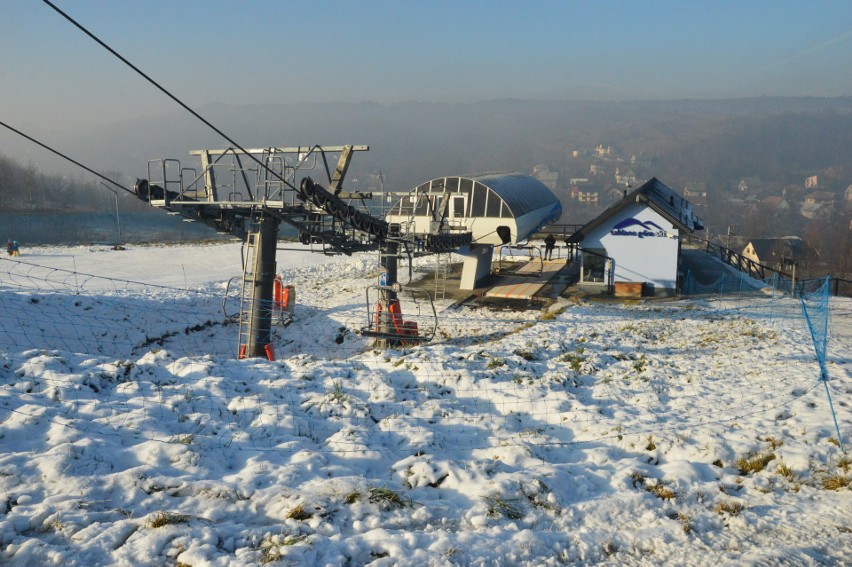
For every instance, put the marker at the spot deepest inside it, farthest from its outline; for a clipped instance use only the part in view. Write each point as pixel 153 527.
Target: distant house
pixel 812 182
pixel 548 178
pixel 591 198
pixel 847 195
pixel 772 252
pixel 817 205
pixel 601 150
pixel 816 210
pixel 819 197
pixel 613 195
pixel 696 193
pixel 775 204
pixel 636 241
pixel 695 190
pixel 626 177
pixel 751 184
pixel 585 194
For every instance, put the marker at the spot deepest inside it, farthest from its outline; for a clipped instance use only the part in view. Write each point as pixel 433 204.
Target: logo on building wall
pixel 635 227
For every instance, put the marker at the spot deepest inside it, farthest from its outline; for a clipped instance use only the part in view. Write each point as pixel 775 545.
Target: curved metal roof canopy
pixel 492 206
pixel 507 195
pixel 521 193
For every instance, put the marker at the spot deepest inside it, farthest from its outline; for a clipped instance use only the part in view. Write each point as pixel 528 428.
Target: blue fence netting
pixel 738 291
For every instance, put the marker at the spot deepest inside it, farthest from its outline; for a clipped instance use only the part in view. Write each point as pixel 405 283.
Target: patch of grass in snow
pixel 337 395
pixel 786 471
pixel 574 360
pixel 651 445
pixel 729 507
pixel 774 442
pixel 661 491
pixel 551 315
pixel 498 506
pixel 299 513
pixel 609 548
pixel 535 497
pixel 844 463
pixel 161 519
pixel 753 463
pixel 496 363
pixel 352 497
pixel 751 331
pixel 658 489
pixel 526 354
pixel 387 499
pixel 835 482
pixel 684 520
pixel 272 547
pixel 526 325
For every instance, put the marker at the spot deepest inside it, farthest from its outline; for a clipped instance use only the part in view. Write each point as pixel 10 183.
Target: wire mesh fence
pixel 96 355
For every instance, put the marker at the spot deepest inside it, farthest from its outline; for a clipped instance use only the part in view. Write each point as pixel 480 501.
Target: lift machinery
pixel 251 192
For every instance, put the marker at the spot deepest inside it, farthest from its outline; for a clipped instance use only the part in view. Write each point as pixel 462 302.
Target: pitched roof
pixel 658 197
pixel 823 196
pixel 774 201
pixel 767 249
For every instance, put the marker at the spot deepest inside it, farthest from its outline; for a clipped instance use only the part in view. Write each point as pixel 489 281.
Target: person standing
pixel 549 243
pixel 15 250
pixel 10 248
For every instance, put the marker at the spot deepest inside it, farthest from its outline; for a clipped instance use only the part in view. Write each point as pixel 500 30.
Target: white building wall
pixel 484 229
pixel 641 252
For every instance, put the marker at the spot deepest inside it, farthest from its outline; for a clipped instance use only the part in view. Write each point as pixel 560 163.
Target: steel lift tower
pixel 250 192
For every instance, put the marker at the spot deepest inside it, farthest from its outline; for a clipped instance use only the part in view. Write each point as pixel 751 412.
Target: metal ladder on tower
pixel 269 179
pixel 442 270
pixel 247 297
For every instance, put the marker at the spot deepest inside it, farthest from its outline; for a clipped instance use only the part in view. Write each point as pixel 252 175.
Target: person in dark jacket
pixel 549 243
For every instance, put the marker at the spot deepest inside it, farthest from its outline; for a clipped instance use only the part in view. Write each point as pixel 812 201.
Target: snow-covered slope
pixel 658 433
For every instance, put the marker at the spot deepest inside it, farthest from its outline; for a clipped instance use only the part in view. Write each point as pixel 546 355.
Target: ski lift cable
pixel 166 92
pixel 60 154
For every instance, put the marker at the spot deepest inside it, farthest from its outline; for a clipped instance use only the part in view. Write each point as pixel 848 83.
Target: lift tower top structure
pixel 251 192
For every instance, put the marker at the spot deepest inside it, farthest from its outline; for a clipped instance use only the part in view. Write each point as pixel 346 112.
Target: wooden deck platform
pixel 526 282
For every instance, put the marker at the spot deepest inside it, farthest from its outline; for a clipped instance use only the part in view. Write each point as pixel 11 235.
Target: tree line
pixel 24 189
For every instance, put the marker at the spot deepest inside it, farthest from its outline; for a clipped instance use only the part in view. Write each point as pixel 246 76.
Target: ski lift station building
pixel 496 208
pixel 490 206
pixel 636 242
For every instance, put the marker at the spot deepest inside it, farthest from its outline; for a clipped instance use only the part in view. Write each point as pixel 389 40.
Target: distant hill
pixel 413 142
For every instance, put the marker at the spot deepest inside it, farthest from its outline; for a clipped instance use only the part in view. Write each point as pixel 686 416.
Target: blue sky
pixel 387 52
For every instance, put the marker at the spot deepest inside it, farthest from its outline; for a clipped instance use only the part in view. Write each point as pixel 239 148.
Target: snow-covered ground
pixel 679 432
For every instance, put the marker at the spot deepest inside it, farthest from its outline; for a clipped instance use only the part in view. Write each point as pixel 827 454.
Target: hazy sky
pixel 53 76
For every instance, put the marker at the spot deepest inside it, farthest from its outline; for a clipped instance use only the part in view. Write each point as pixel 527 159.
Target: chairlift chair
pixel 385 320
